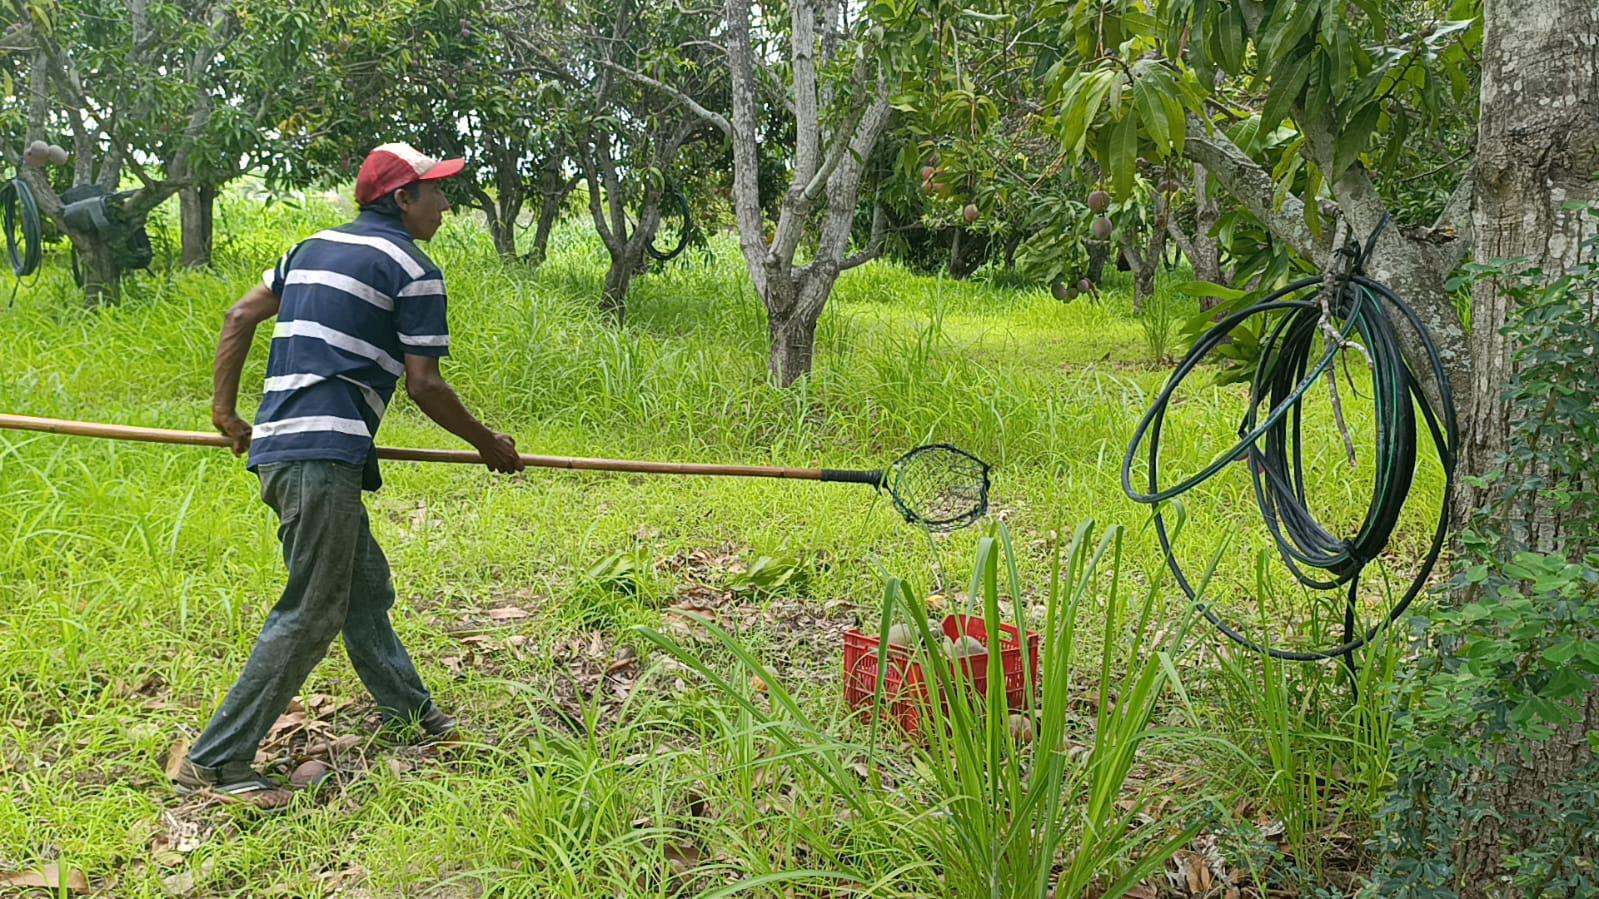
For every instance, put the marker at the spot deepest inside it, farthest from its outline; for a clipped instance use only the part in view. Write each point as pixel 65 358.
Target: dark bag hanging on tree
pixel 89 207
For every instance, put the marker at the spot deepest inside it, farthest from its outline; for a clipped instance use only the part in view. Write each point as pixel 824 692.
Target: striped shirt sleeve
pixel 420 316
pixel 276 277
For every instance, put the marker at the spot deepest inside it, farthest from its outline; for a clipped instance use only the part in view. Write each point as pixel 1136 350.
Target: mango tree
pixel 127 91
pixel 628 146
pixel 1300 110
pixel 829 65
pixel 439 74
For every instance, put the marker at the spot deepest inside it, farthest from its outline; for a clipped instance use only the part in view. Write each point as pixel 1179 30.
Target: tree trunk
pixel 1144 282
pixel 1012 244
pixel 791 316
pixel 550 203
pixel 967 252
pixel 196 205
pixel 102 278
pixel 1537 150
pixel 1098 255
pixel 1206 251
pixel 613 297
pixel 503 230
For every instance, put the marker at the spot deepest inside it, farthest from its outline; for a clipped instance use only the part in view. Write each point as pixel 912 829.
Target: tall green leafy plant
pixel 999 810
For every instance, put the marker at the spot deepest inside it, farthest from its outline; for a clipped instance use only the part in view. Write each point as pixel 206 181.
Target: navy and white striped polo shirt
pixel 354 302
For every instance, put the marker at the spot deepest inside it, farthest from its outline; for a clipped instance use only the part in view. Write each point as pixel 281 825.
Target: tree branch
pixel 719 121
pixel 874 245
pixel 843 188
pixel 1456 216
pixel 1184 244
pixel 590 170
pixel 746 159
pixel 802 53
pixel 1251 184
pixel 200 117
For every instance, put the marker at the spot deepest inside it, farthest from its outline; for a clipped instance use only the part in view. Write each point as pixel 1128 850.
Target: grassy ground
pixel 133 579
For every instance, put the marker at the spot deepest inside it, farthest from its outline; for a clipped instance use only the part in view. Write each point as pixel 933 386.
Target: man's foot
pixel 234 783
pixel 438 725
pixel 434 726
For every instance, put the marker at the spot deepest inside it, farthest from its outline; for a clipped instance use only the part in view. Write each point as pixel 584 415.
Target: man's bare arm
pixel 435 397
pixel 233 347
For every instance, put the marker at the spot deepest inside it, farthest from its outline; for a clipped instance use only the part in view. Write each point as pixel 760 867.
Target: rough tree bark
pixel 196 206
pixel 1145 261
pixel 1537 150
pixel 1201 250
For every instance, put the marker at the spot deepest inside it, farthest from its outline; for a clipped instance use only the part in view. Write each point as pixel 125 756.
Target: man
pixel 357 307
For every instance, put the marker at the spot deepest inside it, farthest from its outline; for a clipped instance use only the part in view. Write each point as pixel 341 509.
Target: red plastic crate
pixel 905 685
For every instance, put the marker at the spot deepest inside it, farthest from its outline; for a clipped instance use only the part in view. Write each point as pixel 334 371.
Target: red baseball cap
pixel 393 166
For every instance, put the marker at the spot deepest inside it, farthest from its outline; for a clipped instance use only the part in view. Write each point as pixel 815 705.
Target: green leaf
pixel 1353 140
pixel 1124 155
pixel 1562 652
pixel 1082 104
pixel 1209 289
pixel 1398 130
pixel 1292 22
pixel 1230 38
pixel 1312 207
pixel 1286 85
pixel 1373 11
pixel 1152 115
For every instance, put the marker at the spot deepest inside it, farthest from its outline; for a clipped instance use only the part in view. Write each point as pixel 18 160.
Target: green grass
pixel 133 577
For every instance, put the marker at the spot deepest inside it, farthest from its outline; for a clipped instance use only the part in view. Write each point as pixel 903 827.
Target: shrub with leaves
pixel 1513 665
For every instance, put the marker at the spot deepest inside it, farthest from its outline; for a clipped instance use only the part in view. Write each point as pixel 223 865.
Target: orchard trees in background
pixel 439 74
pixel 628 141
pixel 140 91
pixel 832 68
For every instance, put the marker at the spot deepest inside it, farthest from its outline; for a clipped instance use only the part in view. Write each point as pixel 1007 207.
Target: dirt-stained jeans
pixel 338 581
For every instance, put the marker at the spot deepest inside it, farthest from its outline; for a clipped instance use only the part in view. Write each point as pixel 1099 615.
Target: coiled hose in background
pixel 20 209
pixel 1271 438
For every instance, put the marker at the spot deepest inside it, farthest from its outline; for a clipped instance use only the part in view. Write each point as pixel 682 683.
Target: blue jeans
pixel 338 582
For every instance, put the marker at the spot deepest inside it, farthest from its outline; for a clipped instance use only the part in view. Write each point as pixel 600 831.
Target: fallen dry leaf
pixel 287 723
pixel 168 859
pixel 47 877
pixel 508 613
pixel 1142 891
pixel 310 774
pixel 333 879
pixel 683 858
pixel 179 884
pixel 625 659
pixel 175 757
pixel 1195 872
